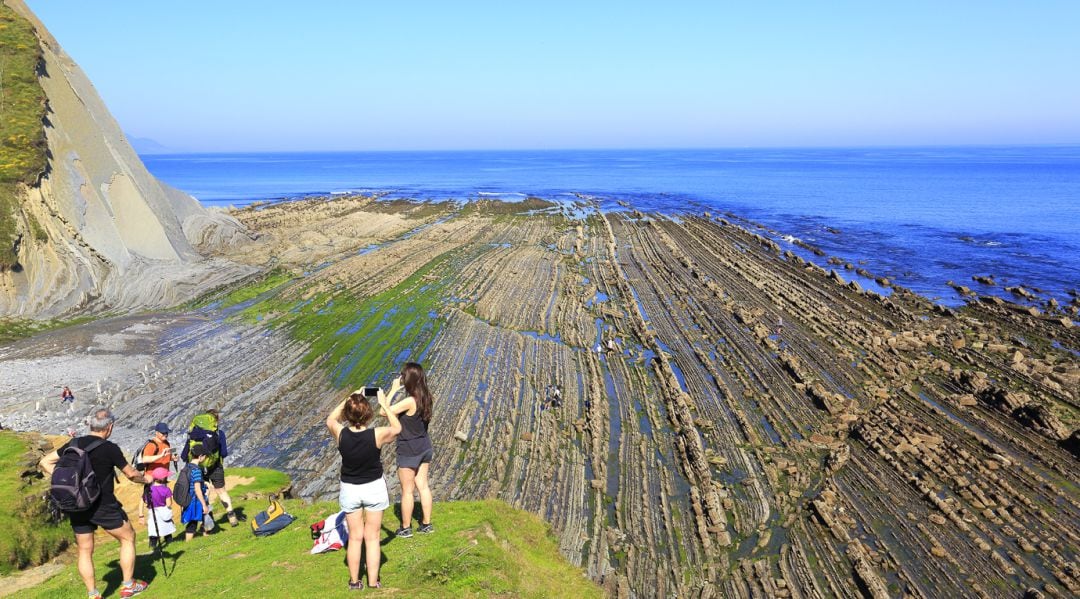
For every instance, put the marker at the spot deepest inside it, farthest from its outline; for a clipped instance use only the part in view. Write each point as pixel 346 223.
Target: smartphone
pixel 371 391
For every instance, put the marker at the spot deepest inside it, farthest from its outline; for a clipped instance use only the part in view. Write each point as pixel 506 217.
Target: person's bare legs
pixel 372 526
pixel 355 520
pixel 85 543
pixel 126 535
pixel 425 492
pixel 223 496
pixel 407 476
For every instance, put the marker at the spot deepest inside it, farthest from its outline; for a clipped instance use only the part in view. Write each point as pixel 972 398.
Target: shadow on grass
pixel 146 568
pixel 417 513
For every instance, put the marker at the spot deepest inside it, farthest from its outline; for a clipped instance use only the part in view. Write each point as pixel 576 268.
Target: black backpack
pixel 74 485
pixel 181 491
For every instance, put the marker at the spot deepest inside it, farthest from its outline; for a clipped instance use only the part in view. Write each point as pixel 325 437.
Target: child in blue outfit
pixel 198 509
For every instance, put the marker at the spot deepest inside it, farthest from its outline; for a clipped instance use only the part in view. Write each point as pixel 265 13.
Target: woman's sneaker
pixel 403 533
pixel 426 528
pixel 356 586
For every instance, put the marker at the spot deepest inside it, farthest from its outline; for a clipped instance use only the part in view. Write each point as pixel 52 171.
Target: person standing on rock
pixel 414 450
pixel 363 495
pixel 106 512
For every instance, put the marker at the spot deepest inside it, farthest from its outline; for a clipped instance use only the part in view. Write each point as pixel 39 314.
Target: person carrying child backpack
pixel 159 526
pixel 205 431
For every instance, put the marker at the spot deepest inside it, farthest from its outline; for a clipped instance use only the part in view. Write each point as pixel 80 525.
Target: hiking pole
pixel 160 548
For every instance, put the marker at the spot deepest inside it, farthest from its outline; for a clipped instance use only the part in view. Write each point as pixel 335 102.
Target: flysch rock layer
pixel 117 237
pixel 735 421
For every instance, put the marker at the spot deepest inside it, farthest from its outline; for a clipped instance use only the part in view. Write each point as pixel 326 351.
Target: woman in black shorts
pixel 414 449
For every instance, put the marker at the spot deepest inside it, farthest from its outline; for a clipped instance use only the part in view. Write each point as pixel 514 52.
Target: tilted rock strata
pixel 735 420
pixel 116 237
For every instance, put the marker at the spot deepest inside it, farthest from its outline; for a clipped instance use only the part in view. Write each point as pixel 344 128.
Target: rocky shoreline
pixel 736 420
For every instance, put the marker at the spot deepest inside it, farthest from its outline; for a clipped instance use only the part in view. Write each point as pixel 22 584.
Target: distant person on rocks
pixel 193 514
pixel 158 453
pixel 414 450
pixel 363 495
pixel 159 525
pixel 66 395
pixel 106 512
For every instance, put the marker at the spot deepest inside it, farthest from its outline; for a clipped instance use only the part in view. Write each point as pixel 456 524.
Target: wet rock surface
pixel 733 420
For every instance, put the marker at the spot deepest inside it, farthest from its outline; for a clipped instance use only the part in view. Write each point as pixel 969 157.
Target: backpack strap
pixel 95 445
pixel 157 448
pixel 92 446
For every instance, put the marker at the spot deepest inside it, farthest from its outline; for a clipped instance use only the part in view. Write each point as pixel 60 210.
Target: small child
pixel 159 526
pixel 197 511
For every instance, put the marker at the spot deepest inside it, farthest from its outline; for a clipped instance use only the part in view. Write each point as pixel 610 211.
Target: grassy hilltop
pixel 481 548
pixel 22 135
pixel 22 546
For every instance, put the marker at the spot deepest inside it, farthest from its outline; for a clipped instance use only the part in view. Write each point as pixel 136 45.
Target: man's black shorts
pixel 216 476
pixel 109 515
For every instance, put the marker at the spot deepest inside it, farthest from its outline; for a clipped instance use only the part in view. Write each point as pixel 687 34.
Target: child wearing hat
pixel 159 526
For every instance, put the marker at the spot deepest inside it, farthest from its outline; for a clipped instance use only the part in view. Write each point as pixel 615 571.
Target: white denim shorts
pixel 371 496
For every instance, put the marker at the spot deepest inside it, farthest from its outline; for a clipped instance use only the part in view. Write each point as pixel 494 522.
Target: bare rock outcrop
pixel 114 236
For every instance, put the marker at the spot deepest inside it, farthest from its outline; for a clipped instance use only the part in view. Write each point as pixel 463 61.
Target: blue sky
pixel 360 75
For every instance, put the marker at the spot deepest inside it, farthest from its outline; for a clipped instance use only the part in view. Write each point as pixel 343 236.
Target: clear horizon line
pixel 170 151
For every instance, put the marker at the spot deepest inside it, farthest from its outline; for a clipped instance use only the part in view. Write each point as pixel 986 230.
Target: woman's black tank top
pixel 361 459
pixel 412 427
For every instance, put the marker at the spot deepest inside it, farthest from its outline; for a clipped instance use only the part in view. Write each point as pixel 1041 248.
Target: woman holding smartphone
pixel 363 495
pixel 414 451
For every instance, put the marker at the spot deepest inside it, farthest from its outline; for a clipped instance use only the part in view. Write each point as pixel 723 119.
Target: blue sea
pixel 919 216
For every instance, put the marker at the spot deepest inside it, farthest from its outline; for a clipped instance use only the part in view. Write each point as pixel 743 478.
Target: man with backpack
pixel 158 453
pixel 82 474
pixel 205 432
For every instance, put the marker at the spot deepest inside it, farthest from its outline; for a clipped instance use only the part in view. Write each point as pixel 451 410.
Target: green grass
pixel 266 481
pixel 479 549
pixel 23 544
pixel 12 329
pixel 22 135
pixel 360 340
pixel 270 281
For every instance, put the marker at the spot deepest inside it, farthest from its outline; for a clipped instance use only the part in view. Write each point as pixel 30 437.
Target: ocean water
pixel 920 216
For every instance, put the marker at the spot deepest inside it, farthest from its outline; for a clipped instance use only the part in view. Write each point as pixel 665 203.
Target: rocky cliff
pixel 96 231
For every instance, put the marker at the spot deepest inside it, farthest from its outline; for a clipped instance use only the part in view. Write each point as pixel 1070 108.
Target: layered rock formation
pixel 111 236
pixel 734 421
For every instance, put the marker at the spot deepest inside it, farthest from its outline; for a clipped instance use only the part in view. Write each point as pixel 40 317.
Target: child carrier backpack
pixel 74 485
pixel 204 432
pixel 271 520
pixel 181 492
